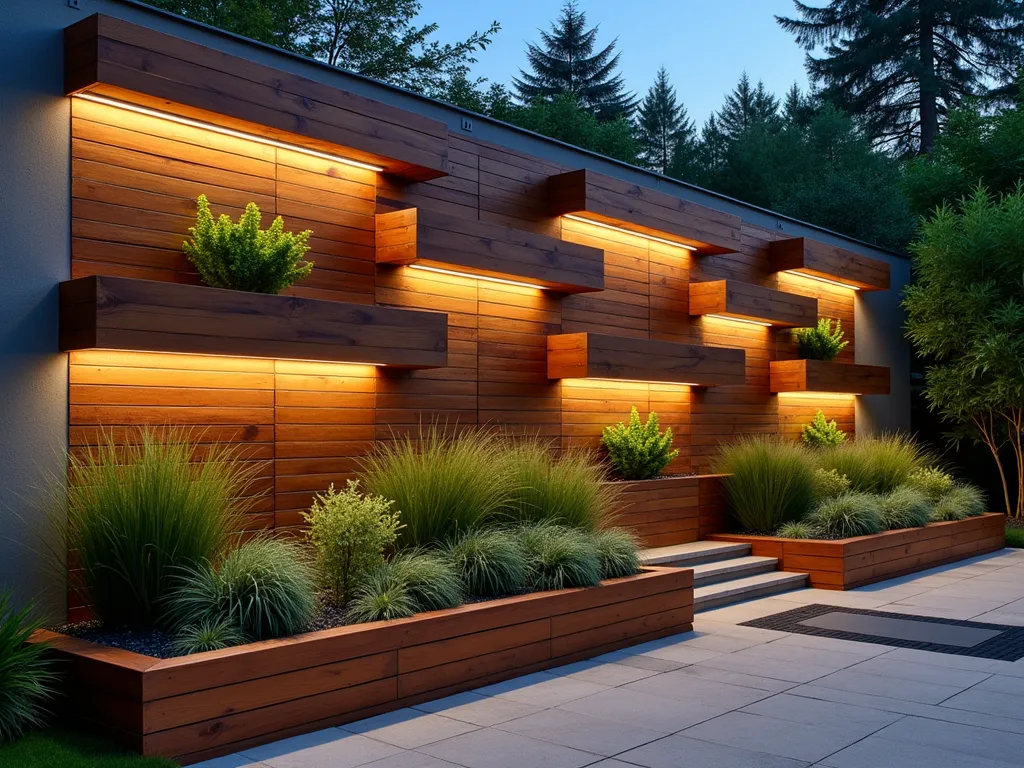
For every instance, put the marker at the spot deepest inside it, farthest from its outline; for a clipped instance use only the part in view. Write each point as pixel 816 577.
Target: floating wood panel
pixel 197 707
pixel 644 211
pixel 127 314
pixel 476 248
pixel 745 301
pixel 117 59
pixel 600 356
pixel 810 257
pixel 851 563
pixel 828 376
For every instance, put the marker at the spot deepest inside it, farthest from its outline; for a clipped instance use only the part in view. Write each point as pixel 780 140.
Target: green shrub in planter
pixel 828 484
pixel 852 514
pixel 821 342
pixel 905 507
pixel 619 553
pixel 431 580
pixel 875 464
pixel 959 502
pixel 382 596
pixel 350 533
pixel 243 257
pixel 559 558
pixel 770 482
pixel 207 635
pixel 27 679
pixel 639 451
pixel 820 433
pixel 797 529
pixel 264 587
pixel 932 482
pixel 490 562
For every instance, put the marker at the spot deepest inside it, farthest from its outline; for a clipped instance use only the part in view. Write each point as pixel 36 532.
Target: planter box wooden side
pixel 850 563
pixel 665 511
pixel 197 707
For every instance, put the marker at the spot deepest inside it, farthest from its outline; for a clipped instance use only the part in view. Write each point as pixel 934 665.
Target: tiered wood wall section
pixel 135 179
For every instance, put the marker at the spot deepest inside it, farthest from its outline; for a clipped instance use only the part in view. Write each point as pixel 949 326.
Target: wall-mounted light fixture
pixel 744 320
pixel 224 131
pixel 471 276
pixel 625 231
pixel 820 279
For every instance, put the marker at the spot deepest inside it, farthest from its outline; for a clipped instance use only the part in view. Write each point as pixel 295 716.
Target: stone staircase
pixel 725 573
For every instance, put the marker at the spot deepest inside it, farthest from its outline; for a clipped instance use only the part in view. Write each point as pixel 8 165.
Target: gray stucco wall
pixel 35 248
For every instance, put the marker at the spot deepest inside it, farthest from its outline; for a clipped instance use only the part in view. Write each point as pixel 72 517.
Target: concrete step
pixel 734 568
pixel 737 590
pixel 694 553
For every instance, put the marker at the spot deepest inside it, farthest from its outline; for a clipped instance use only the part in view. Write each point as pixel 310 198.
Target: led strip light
pixel 823 279
pixel 471 276
pixel 612 227
pixel 741 320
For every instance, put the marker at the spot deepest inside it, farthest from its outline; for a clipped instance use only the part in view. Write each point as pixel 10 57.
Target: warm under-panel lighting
pixel 471 276
pixel 225 131
pixel 625 231
pixel 237 357
pixel 741 320
pixel 631 381
pixel 823 280
pixel 812 395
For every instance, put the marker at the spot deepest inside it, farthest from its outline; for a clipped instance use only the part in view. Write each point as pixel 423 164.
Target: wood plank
pixel 828 376
pixel 811 257
pixel 746 301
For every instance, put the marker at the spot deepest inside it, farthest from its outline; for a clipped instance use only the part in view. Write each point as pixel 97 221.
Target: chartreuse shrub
pixel 350 533
pixel 821 342
pixel 820 433
pixel 490 562
pixel 904 507
pixel 244 257
pixel 558 557
pixel 264 587
pixel 932 482
pixel 568 489
pixel 770 482
pixel 140 512
pixel 639 451
pixel 959 502
pixel 852 514
pixel 828 483
pixel 209 634
pixel 444 484
pixel 27 679
pixel 797 529
pixel 618 552
pixel 875 464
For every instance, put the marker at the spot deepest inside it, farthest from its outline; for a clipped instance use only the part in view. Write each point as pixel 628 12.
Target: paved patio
pixel 726 696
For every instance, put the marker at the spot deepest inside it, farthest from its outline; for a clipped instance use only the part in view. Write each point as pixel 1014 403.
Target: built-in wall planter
pixel 608 202
pixel 143 69
pixel 429 240
pixel 752 303
pixel 144 315
pixel 620 358
pixel 828 376
pixel 829 263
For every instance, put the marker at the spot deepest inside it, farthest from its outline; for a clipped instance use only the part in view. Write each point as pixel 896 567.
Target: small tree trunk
pixel 929 95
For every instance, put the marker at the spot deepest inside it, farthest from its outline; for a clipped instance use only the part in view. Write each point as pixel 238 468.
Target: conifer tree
pixel 746 107
pixel 901 64
pixel 713 148
pixel 662 123
pixel 565 63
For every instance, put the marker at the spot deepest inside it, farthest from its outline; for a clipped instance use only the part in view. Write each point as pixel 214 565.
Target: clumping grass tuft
pixel 27 679
pixel 1014 537
pixel 932 482
pixel 444 484
pixel 430 579
pixel 264 587
pixel 875 464
pixel 382 596
pixel 567 490
pixel 770 482
pixel 490 562
pixel 207 635
pixel 797 529
pixel 828 483
pixel 905 507
pixel 559 558
pixel 618 552
pixel 852 514
pixel 960 502
pixel 137 513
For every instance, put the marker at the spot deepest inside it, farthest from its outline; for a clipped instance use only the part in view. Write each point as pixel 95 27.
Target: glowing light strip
pixel 741 320
pixel 476 277
pixel 815 395
pixel 823 280
pixel 224 131
pixel 220 354
pixel 625 231
pixel 635 381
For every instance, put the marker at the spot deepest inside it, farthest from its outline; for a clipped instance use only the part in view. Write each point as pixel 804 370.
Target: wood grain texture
pixel 669 510
pixel 746 301
pixel 428 238
pixel 646 211
pixel 121 313
pixel 850 563
pixel 831 262
pixel 828 376
pixel 116 58
pixel 197 707
pixel 601 356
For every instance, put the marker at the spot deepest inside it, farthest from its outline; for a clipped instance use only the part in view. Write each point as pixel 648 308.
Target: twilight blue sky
pixel 704 44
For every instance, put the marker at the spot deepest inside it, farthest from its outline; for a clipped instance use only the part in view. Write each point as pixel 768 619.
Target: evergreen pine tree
pixel 901 64
pixel 565 63
pixel 662 124
pixel 746 107
pixel 713 148
pixel 797 109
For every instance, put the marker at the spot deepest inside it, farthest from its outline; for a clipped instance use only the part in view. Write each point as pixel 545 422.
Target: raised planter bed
pixel 671 510
pixel 196 707
pixel 849 563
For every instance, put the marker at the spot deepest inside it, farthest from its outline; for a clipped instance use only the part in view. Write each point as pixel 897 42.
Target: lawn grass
pixel 1015 537
pixel 70 749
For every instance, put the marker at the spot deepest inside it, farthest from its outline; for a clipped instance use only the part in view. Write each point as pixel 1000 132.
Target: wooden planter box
pixel 196 707
pixel 849 563
pixel 671 510
pixel 828 376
